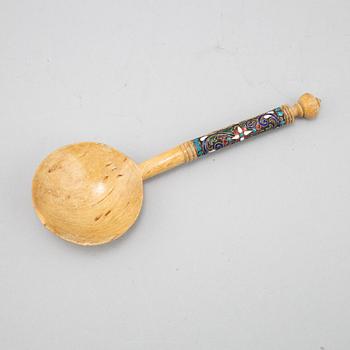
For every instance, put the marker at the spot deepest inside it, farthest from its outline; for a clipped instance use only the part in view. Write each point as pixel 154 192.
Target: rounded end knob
pixel 309 106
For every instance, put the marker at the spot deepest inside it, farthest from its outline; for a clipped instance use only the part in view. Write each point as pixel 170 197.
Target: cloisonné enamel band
pixel 240 131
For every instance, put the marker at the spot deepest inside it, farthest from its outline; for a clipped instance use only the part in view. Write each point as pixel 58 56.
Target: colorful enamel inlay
pixel 239 132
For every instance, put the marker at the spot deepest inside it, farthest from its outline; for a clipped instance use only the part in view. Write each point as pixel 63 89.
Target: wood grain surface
pixel 87 193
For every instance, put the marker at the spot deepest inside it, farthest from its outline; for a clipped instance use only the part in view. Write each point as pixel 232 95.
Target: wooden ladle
pixel 89 193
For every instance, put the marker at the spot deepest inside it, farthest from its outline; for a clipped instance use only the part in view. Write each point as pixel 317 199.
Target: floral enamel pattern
pixel 239 132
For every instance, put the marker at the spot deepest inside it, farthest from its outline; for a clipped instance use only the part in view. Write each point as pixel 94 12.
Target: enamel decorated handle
pixel 239 132
pixel 306 107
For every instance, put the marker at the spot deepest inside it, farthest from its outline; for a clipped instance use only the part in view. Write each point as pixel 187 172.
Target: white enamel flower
pixel 240 133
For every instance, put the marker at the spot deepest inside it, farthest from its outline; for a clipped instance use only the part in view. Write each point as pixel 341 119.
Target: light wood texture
pixel 168 160
pixel 87 193
pixel 307 107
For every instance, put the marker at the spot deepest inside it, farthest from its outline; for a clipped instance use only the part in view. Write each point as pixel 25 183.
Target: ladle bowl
pixel 88 193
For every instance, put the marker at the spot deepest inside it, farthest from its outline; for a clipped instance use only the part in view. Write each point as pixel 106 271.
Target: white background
pixel 246 249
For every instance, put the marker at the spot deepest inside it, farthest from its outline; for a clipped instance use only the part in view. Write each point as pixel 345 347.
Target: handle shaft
pixel 306 107
pixel 239 132
pixel 170 159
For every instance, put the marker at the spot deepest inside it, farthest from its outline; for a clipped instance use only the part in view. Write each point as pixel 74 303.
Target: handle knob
pixel 307 107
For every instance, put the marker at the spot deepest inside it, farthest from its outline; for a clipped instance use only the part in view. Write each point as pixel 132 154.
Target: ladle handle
pixel 306 107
